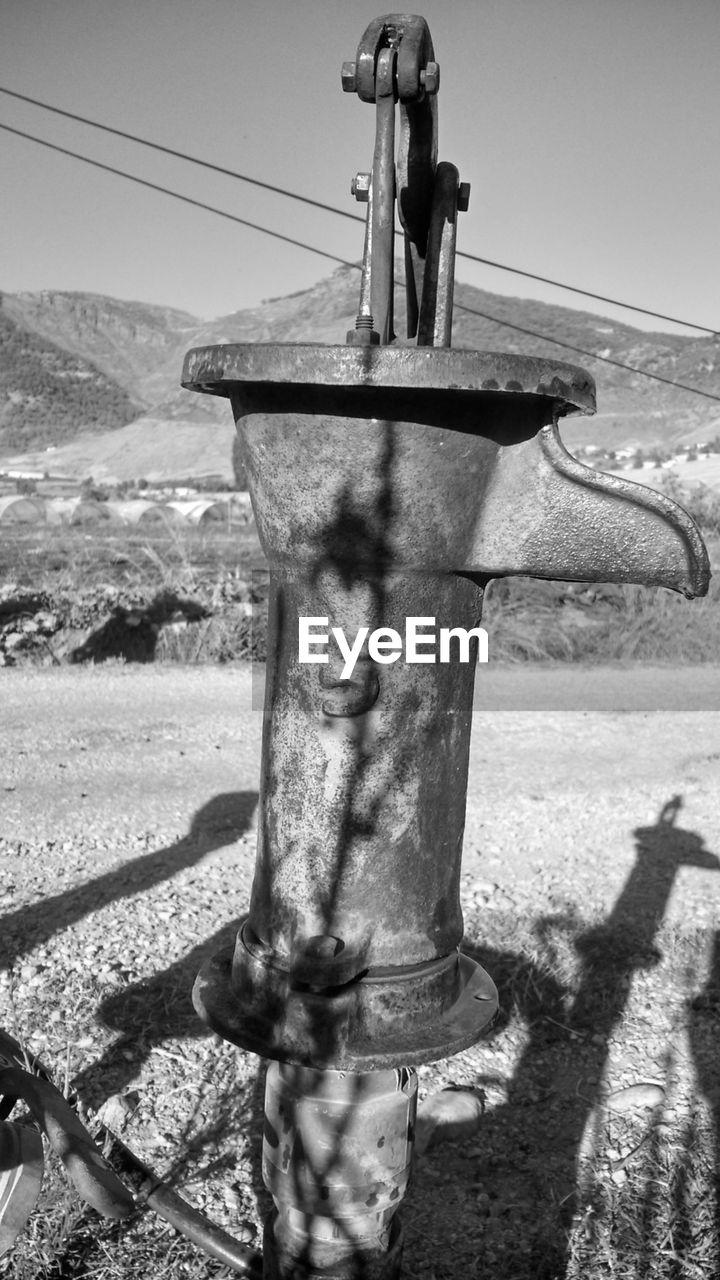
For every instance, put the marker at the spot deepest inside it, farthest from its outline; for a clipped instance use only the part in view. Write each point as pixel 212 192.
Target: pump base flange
pixel 369 1024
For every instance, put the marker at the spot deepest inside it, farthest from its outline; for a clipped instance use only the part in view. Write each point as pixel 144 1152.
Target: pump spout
pixel 546 515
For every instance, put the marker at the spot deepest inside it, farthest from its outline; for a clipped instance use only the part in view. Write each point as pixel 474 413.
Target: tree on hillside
pixel 92 492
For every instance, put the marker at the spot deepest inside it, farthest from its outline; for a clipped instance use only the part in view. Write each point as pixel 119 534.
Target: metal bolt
pixel 348 77
pixel 463 197
pixel 360 187
pixel 364 334
pixel 430 77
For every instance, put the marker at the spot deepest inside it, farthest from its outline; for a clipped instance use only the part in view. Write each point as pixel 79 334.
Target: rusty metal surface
pixel 281 1265
pixel 366 1025
pixel 548 516
pixel 225 370
pixel 436 310
pixel 336 1159
pixel 382 205
pixel 395 65
pixel 480 482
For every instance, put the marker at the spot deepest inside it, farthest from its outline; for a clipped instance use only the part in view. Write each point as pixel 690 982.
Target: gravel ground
pixel 126 853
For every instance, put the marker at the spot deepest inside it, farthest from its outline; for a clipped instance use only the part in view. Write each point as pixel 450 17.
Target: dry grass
pixel 195 588
pixel 533 621
pixel 556 1186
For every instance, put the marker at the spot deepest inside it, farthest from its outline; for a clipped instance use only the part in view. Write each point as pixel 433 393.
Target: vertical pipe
pixel 336 1160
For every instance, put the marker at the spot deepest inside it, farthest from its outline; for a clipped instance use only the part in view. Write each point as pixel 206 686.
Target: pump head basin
pixel 455 453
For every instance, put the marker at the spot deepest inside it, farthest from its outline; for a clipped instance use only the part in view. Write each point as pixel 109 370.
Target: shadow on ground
pixel 221 821
pixel 509 1201
pixel 132 633
pixel 526 1181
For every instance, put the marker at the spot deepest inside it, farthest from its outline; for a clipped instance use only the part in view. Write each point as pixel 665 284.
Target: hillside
pixel 137 349
pixel 136 345
pixel 47 394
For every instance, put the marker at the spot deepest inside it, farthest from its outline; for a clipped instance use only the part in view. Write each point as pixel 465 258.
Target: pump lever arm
pixel 395 63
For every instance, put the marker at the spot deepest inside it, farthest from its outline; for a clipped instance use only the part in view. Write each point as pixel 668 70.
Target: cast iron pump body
pixel 390 480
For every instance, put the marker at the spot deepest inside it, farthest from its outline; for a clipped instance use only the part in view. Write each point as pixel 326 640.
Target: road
pixel 566 764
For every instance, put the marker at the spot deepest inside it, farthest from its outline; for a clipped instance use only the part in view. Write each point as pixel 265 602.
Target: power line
pixel 586 293
pixel 181 155
pixel 344 213
pixel 345 262
pixel 590 355
pixel 199 204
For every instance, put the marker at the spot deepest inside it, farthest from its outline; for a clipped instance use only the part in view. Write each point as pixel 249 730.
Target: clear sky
pixel 587 128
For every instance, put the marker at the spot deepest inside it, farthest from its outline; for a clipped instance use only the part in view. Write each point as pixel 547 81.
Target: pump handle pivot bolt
pixel 360 187
pixel 348 76
pixel 430 77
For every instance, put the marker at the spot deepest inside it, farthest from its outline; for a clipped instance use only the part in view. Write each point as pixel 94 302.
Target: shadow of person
pixel 221 821
pixel 531 1146
pixel 704 1035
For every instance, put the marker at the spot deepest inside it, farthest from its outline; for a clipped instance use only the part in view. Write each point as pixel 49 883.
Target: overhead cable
pixel 590 355
pixel 181 155
pixel 345 213
pixel 154 186
pixel 345 262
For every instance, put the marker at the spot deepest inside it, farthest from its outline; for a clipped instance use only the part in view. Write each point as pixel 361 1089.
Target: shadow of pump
pixel 154 1009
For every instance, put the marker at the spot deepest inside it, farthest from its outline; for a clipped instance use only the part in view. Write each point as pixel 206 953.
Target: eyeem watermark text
pixel 387 645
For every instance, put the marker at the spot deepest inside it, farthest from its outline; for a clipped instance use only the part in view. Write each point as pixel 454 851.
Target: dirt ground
pixel 565 762
pixel 572 776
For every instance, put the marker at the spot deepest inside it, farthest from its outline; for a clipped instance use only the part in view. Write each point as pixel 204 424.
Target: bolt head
pixel 463 197
pixel 363 338
pixel 430 77
pixel 348 77
pixel 360 187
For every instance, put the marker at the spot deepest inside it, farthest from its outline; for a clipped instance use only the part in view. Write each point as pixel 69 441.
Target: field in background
pixel 198 595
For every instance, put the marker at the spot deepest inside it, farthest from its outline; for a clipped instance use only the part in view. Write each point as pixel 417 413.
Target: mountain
pixel 136 345
pixel 633 411
pixel 46 393
pixel 136 419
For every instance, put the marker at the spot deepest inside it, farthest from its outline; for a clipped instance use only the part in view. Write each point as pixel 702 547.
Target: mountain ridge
pixel 139 347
